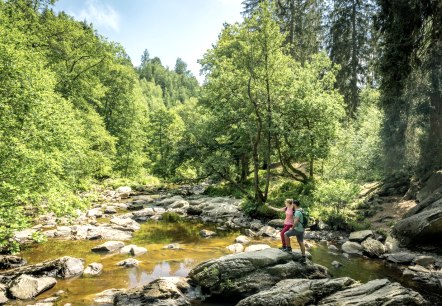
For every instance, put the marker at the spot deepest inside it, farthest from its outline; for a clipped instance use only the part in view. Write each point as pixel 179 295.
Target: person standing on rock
pixel 288 222
pixel 296 230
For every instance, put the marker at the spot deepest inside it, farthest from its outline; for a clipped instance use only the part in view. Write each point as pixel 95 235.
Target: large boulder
pixel 133 250
pixel 433 183
pixel 243 274
pixel 26 287
pixel 401 257
pixel 256 247
pixel 350 247
pixel 360 236
pixel 373 247
pixel 297 292
pixel 171 291
pixel 375 293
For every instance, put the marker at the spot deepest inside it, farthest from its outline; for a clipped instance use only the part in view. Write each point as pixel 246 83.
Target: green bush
pixel 171 217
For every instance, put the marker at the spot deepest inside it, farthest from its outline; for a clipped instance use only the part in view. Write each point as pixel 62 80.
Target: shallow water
pixel 158 262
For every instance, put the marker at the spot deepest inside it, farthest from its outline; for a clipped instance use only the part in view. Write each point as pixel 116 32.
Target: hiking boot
pixel 283 248
pixel 288 249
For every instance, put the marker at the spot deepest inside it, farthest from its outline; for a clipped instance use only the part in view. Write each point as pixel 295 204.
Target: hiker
pixel 296 230
pixel 288 222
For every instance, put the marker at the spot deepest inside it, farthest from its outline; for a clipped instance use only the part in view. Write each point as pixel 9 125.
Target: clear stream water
pixel 158 262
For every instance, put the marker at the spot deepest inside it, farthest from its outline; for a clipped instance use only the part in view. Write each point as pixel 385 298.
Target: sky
pixel 168 29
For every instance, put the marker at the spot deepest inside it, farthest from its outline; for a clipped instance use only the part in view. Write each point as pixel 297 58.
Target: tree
pixel 352 42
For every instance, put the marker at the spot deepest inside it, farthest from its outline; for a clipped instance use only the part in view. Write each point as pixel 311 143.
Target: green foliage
pixel 171 217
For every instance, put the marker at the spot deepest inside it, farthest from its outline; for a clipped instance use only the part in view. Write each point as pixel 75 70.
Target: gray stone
pixel 375 293
pixel 145 212
pixel 242 239
pixel 125 224
pixel 110 210
pixel 172 246
pixel 433 183
pixel 133 250
pixel 256 247
pixel 94 212
pixel 243 274
pixel 128 263
pixel 336 264
pixel 373 247
pixel 124 192
pixel 391 244
pixel 235 248
pixel 360 236
pixel 206 233
pixel 11 261
pixel 25 235
pixel 93 269
pixel 352 248
pixel 3 297
pixel 63 231
pixel 297 292
pixel 401 258
pixel 109 246
pixel 72 267
pixel 276 223
pixel 26 287
pixel 268 231
pixel 333 248
pixel 249 233
pixel 107 296
pixel 170 291
pixel 424 260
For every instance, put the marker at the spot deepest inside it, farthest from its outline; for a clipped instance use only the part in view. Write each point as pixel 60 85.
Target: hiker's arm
pixel 295 222
pixel 274 208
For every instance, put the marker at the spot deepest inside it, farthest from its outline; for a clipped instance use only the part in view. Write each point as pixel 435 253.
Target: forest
pixel 304 98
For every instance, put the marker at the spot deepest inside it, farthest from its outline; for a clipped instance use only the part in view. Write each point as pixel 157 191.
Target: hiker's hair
pixel 289 201
pixel 296 202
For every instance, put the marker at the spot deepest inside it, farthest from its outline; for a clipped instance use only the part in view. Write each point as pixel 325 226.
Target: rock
pixel 172 246
pixel 170 291
pixel 268 231
pixel 401 258
pixel 124 192
pixel 249 233
pixel 433 183
pixel 418 268
pixel 256 225
pixel 107 296
pixel 276 223
pixel 125 224
pixel 25 235
pixel 26 287
pixel 242 239
pixel 128 263
pixel 333 248
pixel 179 204
pixel 109 246
pixel 352 248
pixel 298 291
pixel 194 210
pixel 373 247
pixel 133 250
pixel 206 233
pixel 110 210
pixel 11 261
pixel 3 296
pixel 336 264
pixel 423 227
pixel 135 206
pixel 424 261
pixel 236 248
pixel 94 212
pixel 256 247
pixel 93 269
pixel 63 231
pixel 243 274
pixel 375 293
pixel 107 233
pixel 360 236
pixel 145 212
pixel 391 244
pixel 72 267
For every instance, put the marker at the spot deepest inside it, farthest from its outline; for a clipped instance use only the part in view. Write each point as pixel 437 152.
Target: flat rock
pixel 109 246
pixel 110 210
pixel 350 247
pixel 125 224
pixel 360 236
pixel 93 269
pixel 372 247
pixel 107 296
pixel 242 239
pixel 235 248
pixel 94 212
pixel 401 258
pixel 11 261
pixel 133 250
pixel 256 247
pixel 375 293
pixel 424 260
pixel 170 291
pixel 128 263
pixel 244 274
pixel 207 233
pixel 26 287
pixel 299 291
